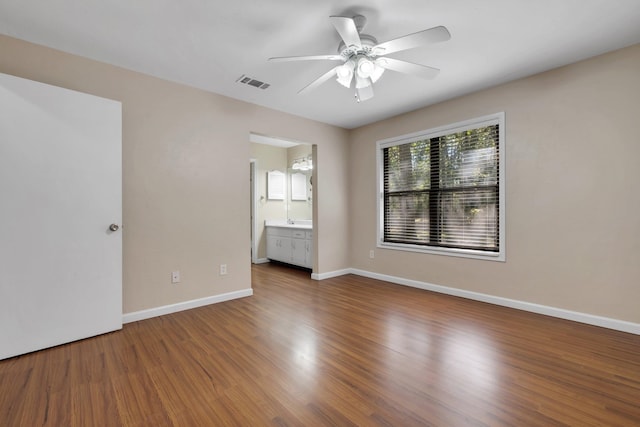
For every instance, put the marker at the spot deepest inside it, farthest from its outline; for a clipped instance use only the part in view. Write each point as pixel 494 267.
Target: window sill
pixel 461 253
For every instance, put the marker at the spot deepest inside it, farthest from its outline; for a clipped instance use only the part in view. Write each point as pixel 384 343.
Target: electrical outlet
pixel 223 269
pixel 175 276
pixel 371 254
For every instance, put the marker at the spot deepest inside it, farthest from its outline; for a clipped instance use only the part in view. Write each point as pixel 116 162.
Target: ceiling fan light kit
pixel 363 58
pixel 345 73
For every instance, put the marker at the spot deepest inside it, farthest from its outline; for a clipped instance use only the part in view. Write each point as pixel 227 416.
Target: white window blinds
pixel 443 190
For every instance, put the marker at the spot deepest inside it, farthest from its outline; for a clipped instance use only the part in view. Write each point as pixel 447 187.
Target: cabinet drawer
pixel 278 231
pixel 309 235
pixel 298 234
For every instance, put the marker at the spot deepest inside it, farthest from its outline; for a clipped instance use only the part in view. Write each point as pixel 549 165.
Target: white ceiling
pixel 209 44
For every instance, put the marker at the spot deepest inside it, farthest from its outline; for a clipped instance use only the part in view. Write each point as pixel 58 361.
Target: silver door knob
pixel 114 227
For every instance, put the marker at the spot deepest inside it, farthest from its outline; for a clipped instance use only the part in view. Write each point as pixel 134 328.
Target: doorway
pixel 252 214
pixel 293 160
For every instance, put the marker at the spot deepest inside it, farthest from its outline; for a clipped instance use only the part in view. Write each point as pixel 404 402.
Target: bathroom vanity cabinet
pixel 290 243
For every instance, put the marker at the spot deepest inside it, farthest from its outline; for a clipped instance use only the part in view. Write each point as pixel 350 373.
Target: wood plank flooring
pixel 341 352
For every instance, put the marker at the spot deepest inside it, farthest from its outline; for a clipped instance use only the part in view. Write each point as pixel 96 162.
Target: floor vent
pixel 252 82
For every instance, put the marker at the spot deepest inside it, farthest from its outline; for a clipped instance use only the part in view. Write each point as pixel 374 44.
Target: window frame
pixel 478 122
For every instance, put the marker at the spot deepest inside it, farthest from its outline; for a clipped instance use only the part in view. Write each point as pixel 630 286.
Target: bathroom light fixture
pixel 302 164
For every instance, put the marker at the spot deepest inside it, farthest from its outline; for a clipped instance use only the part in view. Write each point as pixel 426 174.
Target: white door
pixel 60 190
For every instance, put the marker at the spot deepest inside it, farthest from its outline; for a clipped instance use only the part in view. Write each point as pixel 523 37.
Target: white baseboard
pixel 329 275
pixel 261 261
pixel 590 319
pixel 185 305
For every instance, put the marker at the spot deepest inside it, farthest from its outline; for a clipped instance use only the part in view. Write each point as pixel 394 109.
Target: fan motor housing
pixel 367 41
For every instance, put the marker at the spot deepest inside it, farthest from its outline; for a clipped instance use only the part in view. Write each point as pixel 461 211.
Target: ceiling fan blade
pixel 408 67
pixel 410 41
pixel 307 58
pixel 364 93
pixel 314 84
pixel 347 30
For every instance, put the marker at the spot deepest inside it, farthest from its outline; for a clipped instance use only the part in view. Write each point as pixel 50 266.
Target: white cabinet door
pixel 309 253
pixel 273 247
pixel 299 252
pixel 284 249
pixel 61 187
pixel 278 248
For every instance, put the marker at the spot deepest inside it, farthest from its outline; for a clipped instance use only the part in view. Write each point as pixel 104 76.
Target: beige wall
pixel 268 158
pixel 572 202
pixel 297 151
pixel 185 176
pixel 572 233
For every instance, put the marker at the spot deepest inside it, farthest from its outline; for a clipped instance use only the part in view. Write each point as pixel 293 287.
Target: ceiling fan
pixel 364 60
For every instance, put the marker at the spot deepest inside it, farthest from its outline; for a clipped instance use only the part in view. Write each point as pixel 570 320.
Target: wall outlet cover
pixel 175 276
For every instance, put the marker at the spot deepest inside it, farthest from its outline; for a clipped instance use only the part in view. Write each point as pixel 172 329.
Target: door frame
pixel 253 163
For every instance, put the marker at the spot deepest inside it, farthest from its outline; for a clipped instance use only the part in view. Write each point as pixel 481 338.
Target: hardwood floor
pixel 340 352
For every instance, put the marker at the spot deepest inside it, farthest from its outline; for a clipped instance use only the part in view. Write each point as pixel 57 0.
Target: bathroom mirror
pixel 298 186
pixel 300 200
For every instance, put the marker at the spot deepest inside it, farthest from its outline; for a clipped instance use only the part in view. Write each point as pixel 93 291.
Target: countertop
pixel 300 225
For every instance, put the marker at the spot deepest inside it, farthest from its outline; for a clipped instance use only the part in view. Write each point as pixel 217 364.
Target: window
pixel 442 190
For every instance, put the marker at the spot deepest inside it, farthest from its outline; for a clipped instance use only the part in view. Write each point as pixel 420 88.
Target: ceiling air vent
pixel 252 82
